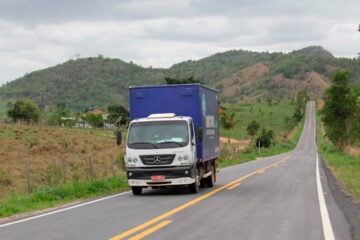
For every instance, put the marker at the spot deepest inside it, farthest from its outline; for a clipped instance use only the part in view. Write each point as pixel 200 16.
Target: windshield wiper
pixel 150 143
pixel 178 143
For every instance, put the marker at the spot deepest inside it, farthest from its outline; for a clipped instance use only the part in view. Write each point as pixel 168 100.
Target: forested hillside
pixel 240 76
pixel 81 83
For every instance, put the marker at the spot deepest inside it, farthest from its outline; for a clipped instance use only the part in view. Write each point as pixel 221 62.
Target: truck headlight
pixel 184 159
pixel 130 159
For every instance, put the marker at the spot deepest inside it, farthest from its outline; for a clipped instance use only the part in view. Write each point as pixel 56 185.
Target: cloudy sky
pixel 36 34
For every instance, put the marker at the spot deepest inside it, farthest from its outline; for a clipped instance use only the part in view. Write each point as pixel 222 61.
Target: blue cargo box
pixel 193 100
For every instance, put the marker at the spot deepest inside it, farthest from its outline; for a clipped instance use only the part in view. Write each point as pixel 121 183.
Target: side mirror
pixel 199 132
pixel 118 137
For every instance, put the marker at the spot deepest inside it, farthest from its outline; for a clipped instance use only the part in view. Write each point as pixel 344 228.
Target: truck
pixel 173 137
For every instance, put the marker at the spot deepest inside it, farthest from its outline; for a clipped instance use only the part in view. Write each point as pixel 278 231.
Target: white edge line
pixel 62 210
pixel 327 228
pixel 325 219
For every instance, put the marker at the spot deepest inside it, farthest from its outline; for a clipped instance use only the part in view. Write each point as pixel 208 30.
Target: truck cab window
pixel 158 134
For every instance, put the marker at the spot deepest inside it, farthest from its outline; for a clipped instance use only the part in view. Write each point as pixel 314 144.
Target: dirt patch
pixel 244 78
pixel 241 145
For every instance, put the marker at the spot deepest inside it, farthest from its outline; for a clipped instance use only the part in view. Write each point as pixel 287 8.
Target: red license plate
pixel 157 178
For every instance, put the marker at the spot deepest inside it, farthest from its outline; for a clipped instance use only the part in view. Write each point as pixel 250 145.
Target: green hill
pixel 240 76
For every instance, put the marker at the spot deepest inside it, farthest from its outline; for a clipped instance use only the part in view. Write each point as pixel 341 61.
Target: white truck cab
pixel 160 151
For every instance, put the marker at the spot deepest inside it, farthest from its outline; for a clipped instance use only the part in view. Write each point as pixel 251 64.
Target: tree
pixel 252 128
pixel 227 121
pixel 62 115
pixel 301 100
pixel 170 80
pixel 116 111
pixel 95 120
pixel 265 139
pixel 339 110
pixel 24 109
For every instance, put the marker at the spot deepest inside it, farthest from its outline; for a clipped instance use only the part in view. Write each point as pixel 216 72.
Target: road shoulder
pixel 344 201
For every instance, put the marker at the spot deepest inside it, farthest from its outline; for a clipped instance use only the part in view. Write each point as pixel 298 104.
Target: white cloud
pixel 160 33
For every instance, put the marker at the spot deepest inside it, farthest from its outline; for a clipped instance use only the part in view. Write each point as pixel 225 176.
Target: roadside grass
pixel 345 167
pixel 45 197
pixel 252 152
pixel 277 117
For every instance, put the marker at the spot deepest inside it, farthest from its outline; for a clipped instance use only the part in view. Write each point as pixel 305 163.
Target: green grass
pixel 44 197
pixel 269 117
pixel 346 168
pixel 7 133
pixel 253 152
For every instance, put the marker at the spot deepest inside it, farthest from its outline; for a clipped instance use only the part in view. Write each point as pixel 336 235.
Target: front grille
pixel 157 159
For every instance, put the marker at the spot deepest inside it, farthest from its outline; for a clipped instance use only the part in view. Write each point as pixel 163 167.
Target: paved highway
pixel 280 197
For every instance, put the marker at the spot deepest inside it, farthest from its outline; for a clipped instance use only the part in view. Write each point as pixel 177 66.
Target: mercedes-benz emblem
pixel 157 160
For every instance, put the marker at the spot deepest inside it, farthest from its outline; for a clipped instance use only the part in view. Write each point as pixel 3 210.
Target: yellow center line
pixel 233 186
pixel 192 202
pixel 150 230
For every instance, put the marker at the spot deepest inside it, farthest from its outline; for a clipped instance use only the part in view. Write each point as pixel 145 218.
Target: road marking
pixel 193 202
pixel 233 186
pixel 310 117
pixel 62 209
pixel 150 230
pixel 325 219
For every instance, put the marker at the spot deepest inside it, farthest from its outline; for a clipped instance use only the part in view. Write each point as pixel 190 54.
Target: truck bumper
pixel 157 177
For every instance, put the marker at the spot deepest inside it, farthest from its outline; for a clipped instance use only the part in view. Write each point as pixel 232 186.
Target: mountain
pixel 316 51
pixel 239 75
pixel 79 84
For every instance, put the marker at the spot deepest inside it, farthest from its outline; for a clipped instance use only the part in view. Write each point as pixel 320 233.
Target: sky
pixel 37 34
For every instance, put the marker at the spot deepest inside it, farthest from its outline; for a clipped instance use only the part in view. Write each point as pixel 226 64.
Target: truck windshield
pixel 158 134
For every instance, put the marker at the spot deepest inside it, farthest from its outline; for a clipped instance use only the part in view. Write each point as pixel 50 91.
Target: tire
pixel 136 190
pixel 195 187
pixel 210 180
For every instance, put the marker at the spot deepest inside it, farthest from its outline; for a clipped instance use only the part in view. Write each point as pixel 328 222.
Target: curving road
pixel 280 197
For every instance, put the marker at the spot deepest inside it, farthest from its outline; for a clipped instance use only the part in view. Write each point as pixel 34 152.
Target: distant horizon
pixel 152 67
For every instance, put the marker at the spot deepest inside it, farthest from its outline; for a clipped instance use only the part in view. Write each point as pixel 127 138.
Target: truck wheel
pixel 195 187
pixel 136 190
pixel 210 180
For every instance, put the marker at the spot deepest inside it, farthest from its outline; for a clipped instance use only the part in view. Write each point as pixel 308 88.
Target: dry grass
pixel 353 151
pixel 44 149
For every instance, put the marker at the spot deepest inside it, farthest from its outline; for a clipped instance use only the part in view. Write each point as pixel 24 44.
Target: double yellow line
pixel 164 223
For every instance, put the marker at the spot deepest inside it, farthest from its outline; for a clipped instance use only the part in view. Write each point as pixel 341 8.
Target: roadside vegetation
pixel 339 133
pixel 344 165
pixel 45 166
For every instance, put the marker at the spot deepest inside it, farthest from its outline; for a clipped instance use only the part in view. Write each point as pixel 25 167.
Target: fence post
pixel 112 165
pixel 63 169
pixel 90 168
pixel 27 177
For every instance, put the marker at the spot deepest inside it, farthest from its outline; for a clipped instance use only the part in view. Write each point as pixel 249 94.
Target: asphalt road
pixel 280 197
